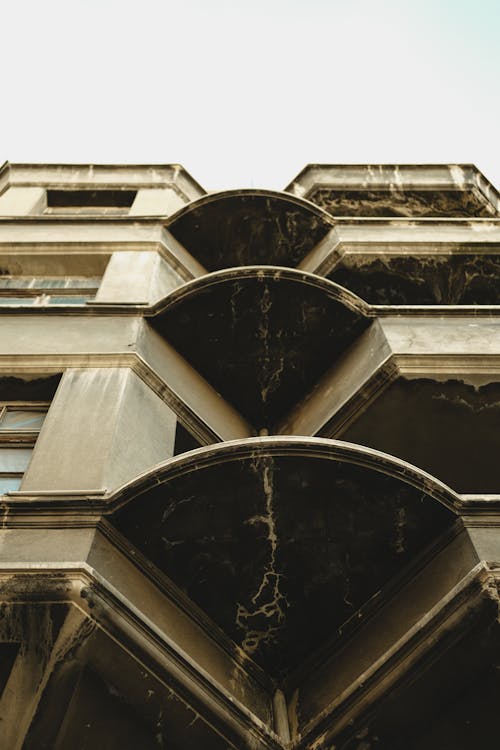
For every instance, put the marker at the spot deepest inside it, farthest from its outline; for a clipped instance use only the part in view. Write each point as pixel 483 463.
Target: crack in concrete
pixel 272 602
pixel 269 379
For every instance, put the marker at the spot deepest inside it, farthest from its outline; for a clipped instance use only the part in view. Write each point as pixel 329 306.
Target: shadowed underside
pixel 279 547
pixel 280 592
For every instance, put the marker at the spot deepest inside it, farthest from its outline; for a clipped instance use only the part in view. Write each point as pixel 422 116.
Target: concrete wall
pixel 136 278
pixel 23 201
pixel 156 202
pixel 104 427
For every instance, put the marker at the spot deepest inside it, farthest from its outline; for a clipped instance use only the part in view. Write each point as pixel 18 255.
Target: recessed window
pixel 45 290
pixel 20 425
pixel 89 201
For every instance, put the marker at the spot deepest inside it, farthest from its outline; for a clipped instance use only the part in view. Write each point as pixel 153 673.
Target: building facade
pixel 249 460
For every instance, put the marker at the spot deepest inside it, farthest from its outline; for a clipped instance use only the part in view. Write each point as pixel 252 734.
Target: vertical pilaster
pixel 23 201
pixel 136 278
pixel 104 427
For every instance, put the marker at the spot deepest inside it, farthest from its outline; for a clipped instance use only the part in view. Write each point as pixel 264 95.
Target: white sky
pixel 246 93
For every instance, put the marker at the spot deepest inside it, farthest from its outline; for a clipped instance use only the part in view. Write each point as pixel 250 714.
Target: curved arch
pixel 247 227
pixel 281 540
pixel 261 336
pixel 277 445
pixel 331 289
pixel 221 195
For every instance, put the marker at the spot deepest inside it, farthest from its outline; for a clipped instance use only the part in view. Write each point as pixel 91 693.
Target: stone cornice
pixel 78 176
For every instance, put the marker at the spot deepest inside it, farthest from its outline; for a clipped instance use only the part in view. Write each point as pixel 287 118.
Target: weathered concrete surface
pixel 354 373
pixel 254 593
pixel 22 201
pixel 432 279
pixel 261 337
pixel 170 177
pixel 112 561
pixel 44 344
pixel 137 278
pixel 110 419
pixel 156 202
pixel 196 670
pixel 279 546
pixel 395 190
pixel 448 427
pixel 316 685
pixel 247 227
pixel 42 632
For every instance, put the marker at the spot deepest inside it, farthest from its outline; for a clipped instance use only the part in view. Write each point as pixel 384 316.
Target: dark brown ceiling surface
pixel 262 339
pixel 447 428
pixel 281 550
pixel 440 279
pixel 100 697
pixel 448 700
pixel 404 202
pixel 242 228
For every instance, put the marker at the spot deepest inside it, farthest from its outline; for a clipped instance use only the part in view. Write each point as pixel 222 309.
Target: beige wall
pixel 104 427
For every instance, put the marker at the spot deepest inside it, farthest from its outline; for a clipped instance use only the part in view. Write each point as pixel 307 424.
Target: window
pixel 89 202
pixel 45 290
pixel 20 424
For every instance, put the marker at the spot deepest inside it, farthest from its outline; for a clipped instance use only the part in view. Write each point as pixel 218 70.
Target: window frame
pixel 90 201
pixel 40 295
pixel 18 439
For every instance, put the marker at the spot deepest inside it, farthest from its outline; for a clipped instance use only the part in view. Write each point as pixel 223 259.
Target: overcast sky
pixel 246 93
